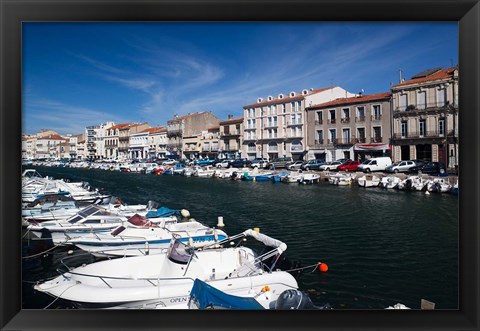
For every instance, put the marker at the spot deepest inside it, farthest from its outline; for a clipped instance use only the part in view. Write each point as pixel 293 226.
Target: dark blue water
pixel 382 247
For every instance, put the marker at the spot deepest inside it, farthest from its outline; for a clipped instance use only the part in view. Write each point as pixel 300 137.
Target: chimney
pixel 230 117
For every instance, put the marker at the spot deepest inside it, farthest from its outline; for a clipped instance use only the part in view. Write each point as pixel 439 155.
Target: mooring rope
pixel 51 248
pixel 314 266
pixel 58 297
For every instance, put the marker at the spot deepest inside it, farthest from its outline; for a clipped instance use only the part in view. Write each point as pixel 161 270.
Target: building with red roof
pixel 425 117
pixel 350 128
pixel 276 126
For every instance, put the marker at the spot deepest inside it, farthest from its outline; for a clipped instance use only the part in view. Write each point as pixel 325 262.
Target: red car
pixel 348 166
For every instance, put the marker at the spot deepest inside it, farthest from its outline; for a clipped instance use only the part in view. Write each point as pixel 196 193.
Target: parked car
pixel 375 164
pixel 259 162
pixel 312 165
pixel 295 165
pixel 430 168
pixel 348 166
pixel 204 162
pixel 400 166
pixel 240 163
pixel 223 164
pixel 169 162
pixel 330 166
pixel 280 162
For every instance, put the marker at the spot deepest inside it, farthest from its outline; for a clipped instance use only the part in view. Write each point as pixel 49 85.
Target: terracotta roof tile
pixel 51 137
pixel 359 99
pixel 119 126
pixel 442 74
pixel 156 129
pixel 231 121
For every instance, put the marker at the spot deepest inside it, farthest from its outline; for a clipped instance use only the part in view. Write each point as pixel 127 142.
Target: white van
pixel 375 164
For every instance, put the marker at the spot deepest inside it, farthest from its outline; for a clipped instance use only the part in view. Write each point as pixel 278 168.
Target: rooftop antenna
pixel 400 74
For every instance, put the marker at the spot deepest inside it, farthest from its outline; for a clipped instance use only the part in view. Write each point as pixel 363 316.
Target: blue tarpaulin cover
pixel 206 296
pixel 162 212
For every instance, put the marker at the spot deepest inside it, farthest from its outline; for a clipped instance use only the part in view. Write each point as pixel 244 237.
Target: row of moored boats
pixel 157 257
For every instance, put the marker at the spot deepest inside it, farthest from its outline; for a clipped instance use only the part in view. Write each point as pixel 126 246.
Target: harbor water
pixel 382 247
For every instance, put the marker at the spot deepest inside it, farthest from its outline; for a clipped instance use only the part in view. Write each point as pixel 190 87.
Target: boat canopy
pixel 162 212
pixel 84 213
pixel 179 252
pixel 268 241
pixel 204 296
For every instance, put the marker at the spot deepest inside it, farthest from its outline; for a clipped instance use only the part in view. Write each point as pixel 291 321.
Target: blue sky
pixel 80 74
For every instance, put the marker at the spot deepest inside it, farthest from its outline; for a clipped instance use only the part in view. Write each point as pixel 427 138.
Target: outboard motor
pixel 295 299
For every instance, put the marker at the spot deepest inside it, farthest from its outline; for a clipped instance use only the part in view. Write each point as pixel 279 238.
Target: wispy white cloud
pixel 63 118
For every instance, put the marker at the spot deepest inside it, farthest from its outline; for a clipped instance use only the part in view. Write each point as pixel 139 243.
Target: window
pixel 284 109
pixel 377 134
pixel 320 136
pixel 441 127
pixel 346 135
pixel 361 113
pixel 404 129
pixel 361 135
pixel 441 97
pixel 299 105
pixel 422 100
pixel 377 112
pixel 292 106
pixel 403 102
pixel 319 117
pixel 346 112
pixel 299 118
pixel 332 116
pixel 333 135
pixel 422 127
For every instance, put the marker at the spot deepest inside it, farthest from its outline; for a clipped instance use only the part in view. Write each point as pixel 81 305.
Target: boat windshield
pixel 178 252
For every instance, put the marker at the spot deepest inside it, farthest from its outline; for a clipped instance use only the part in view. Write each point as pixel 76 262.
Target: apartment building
pixel 124 133
pixel 189 125
pixel 209 141
pixel 191 146
pixel 95 137
pixel 425 117
pixel 112 140
pixel 231 138
pixel 157 141
pixel 47 146
pixel 276 127
pixel 354 128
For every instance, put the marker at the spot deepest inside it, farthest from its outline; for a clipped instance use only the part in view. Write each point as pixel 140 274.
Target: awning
pixel 371 147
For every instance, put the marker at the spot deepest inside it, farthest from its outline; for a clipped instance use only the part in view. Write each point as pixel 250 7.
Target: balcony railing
pixel 272 149
pixel 331 121
pixel 230 133
pixel 345 120
pixel 419 135
pixel 360 119
pixel 376 117
pixel 271 125
pixel 251 149
pixel 361 140
pixel 376 139
pixel 426 107
pixel 319 142
pixel 174 133
pixel 318 122
pixel 345 141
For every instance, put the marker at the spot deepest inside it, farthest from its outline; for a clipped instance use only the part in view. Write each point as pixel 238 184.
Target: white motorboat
pixel 441 185
pixel 341 179
pixel 309 179
pixel 166 280
pixel 139 236
pixel 414 183
pixel 206 171
pixel 90 221
pixel 368 181
pixel 389 182
pixel 293 177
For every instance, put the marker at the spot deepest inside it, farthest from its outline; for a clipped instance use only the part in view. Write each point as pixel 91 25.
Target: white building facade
pixel 276 127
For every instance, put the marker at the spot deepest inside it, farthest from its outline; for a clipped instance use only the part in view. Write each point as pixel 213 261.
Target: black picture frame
pixel 14 12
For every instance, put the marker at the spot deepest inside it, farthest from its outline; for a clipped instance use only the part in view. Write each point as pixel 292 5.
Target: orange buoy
pixel 323 267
